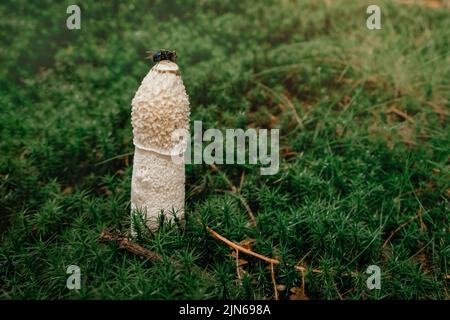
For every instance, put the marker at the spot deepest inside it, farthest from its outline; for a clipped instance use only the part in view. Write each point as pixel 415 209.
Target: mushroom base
pixel 157 187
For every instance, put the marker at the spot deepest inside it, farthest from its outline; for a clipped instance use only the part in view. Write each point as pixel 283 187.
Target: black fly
pixel 164 55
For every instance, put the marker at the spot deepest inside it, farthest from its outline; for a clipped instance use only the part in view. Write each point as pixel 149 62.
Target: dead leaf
pixel 241 261
pixel 345 101
pixel 106 191
pixel 67 190
pixel 281 287
pixel 247 243
pixel 289 154
pixel 273 121
pixel 297 294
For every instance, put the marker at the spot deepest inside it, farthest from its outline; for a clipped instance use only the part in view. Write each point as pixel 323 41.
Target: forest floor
pixel 364 148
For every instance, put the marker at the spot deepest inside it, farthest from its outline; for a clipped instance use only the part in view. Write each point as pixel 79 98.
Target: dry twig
pixel 238 247
pixel 124 243
pixel 238 266
pixel 272 276
pixel 401 114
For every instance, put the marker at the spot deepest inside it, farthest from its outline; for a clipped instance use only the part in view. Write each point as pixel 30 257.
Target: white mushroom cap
pixel 159 107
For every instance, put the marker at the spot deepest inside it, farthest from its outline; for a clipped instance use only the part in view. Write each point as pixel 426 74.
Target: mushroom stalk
pixel 160 108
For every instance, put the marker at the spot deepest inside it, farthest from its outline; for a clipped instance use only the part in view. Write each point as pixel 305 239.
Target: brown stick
pixel 238 272
pixel 303 282
pixel 274 282
pixel 124 243
pixel 337 290
pixel 241 183
pixel 235 246
pixel 401 114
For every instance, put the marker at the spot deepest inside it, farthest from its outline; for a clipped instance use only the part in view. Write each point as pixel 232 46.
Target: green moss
pixel 354 172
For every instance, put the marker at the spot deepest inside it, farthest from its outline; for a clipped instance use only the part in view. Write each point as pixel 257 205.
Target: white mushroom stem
pixel 160 107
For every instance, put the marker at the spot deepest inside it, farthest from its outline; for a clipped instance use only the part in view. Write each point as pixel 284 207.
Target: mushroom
pixel 160 108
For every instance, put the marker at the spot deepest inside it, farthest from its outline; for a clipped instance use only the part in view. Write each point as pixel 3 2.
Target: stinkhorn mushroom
pixel 160 107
